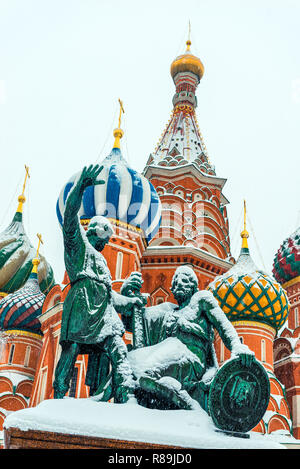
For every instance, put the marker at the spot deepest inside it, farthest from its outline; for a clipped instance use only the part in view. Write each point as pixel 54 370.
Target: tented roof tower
pixel 194 227
pixel 182 142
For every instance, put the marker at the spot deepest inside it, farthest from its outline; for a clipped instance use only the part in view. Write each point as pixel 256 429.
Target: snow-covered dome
pixel 126 196
pixel 286 264
pixel 247 293
pixel 16 255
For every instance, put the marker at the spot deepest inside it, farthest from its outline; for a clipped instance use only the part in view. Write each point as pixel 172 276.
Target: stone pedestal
pixel 14 438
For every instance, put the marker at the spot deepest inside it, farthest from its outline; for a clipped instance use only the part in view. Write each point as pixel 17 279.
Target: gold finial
pixel 36 260
pixel 244 233
pixel 118 133
pixel 21 198
pixel 188 42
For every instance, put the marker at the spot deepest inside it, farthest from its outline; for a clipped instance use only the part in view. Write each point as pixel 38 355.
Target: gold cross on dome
pixel 35 260
pixel 244 233
pixel 121 110
pixel 39 244
pixel 27 175
pixel 21 198
pixel 118 133
pixel 188 42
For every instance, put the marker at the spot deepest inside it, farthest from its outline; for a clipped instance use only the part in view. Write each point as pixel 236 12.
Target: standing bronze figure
pixel 90 323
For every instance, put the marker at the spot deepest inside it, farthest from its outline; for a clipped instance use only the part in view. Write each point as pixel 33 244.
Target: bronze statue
pixel 188 329
pixel 90 323
pixel 171 363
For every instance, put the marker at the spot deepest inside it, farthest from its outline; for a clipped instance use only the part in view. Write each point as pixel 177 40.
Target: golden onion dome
pixel 187 62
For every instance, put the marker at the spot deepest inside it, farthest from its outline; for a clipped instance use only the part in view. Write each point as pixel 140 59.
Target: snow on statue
pixel 90 323
pixel 172 364
pixel 176 361
pixel 173 359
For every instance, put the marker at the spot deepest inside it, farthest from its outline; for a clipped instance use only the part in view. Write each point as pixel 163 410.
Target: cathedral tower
pixel 194 228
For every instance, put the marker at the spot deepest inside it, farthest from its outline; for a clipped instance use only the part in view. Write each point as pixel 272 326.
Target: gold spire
pixel 21 198
pixel 188 42
pixel 36 260
pixel 118 133
pixel 244 233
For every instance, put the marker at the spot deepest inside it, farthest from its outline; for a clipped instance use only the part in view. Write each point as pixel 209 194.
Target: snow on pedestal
pixel 132 422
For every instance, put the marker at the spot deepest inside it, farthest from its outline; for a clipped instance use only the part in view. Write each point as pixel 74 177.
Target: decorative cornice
pixel 19 332
pixel 261 325
pixel 157 171
pixel 291 282
pixel 187 251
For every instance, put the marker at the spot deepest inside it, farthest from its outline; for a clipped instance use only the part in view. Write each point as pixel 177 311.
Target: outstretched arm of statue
pixel 72 231
pixel 229 335
pixel 71 226
pixel 191 328
pixel 207 303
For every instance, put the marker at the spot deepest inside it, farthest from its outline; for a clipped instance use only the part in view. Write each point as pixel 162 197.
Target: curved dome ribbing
pixel 286 264
pixel 20 310
pixel 126 196
pixel 247 293
pixel 187 62
pixel 16 255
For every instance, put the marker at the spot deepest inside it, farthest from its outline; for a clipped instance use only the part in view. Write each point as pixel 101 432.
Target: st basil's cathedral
pixel 174 213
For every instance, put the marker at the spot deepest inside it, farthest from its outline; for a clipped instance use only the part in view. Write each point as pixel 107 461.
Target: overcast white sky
pixel 65 63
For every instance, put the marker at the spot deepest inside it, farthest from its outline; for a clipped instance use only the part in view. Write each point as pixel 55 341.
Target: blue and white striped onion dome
pixel 126 196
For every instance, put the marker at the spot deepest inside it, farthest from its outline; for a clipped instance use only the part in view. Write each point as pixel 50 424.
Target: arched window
pixel 263 350
pixel 159 300
pixel 119 265
pixel 27 355
pixel 11 354
pixel 222 352
pixel 296 316
pixel 42 385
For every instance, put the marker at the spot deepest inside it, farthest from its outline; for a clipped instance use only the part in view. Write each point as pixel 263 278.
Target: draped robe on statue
pixel 89 315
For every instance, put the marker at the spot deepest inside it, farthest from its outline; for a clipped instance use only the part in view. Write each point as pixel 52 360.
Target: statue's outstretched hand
pixel 89 176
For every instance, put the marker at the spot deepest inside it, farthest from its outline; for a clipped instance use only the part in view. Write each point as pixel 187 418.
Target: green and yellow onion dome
pixel 286 264
pixel 247 293
pixel 16 256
